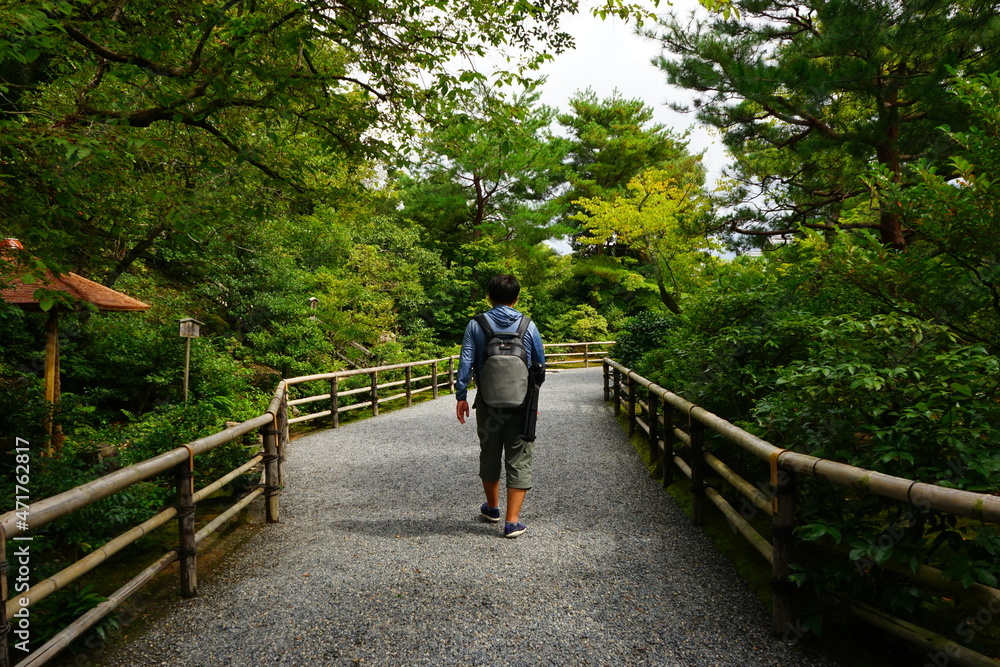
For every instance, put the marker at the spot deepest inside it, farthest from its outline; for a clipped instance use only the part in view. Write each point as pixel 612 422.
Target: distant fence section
pixel 576 354
pixel 371 388
pixel 675 430
pixel 342 391
pixel 345 388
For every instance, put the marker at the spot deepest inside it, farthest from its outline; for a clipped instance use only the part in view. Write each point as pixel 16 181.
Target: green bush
pixel 641 334
pixel 907 398
pixel 581 324
pixel 895 394
pixel 722 350
pixel 170 426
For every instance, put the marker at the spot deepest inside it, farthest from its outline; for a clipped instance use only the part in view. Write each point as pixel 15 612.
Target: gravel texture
pixel 381 559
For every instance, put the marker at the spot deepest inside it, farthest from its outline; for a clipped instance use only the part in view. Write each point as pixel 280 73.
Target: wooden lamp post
pixel 190 328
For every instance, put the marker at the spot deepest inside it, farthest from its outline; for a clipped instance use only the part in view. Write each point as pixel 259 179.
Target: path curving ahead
pixel 380 559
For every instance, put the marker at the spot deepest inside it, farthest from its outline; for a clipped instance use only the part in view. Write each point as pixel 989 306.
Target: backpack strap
pixel 484 324
pixel 522 328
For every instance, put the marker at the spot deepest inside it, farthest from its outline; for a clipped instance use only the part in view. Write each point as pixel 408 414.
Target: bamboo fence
pixel 181 460
pixel 439 374
pixel 663 415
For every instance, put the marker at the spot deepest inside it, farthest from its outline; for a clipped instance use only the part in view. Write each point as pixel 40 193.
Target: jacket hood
pixel 504 316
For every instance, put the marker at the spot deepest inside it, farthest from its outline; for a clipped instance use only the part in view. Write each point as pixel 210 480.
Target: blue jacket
pixel 473 354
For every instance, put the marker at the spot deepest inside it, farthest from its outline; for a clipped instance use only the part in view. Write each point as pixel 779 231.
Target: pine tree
pixel 809 95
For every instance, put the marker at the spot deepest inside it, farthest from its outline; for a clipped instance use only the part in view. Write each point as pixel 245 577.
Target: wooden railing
pixel 17 525
pixel 559 354
pixel 674 426
pixel 338 398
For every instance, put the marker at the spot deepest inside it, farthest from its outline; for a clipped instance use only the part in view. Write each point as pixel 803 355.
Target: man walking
pixel 500 425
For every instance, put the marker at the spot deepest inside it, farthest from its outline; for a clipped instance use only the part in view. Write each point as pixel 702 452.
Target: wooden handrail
pixel 784 467
pixel 981 506
pixel 438 379
pixel 17 523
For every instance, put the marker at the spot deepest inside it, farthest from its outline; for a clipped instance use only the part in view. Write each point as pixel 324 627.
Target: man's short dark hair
pixel 503 289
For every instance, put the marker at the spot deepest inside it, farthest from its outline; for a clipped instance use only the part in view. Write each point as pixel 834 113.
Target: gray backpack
pixel 503 378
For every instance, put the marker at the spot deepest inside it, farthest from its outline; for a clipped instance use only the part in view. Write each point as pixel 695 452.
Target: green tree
pixel 808 94
pixel 102 103
pixel 501 157
pixel 949 273
pixel 659 220
pixel 610 142
pixel 490 174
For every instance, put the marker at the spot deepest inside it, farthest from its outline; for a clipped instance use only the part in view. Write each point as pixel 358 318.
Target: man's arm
pixel 535 348
pixel 466 362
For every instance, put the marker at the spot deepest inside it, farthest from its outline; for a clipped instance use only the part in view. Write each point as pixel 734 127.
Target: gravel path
pixel 380 559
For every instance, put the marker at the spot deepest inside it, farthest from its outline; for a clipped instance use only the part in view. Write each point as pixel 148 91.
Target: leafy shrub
pixel 641 334
pixel 581 324
pixel 895 394
pixel 171 426
pixel 724 347
pixel 905 397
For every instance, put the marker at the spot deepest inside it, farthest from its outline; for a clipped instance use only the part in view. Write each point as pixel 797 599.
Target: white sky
pixel 608 56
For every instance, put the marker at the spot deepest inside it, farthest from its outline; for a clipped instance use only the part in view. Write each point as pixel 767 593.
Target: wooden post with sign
pixel 189 328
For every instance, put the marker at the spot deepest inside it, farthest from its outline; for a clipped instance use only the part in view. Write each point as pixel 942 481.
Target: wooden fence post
pixel 374 393
pixel 451 374
pixel 334 402
pixel 187 550
pixel 654 425
pixel 668 443
pixel 434 378
pixel 618 391
pixel 284 417
pixel 272 484
pixel 4 623
pixel 697 432
pixel 630 383
pixel 782 541
pixel 408 371
pixel 607 380
pixel 586 355
pixel 282 437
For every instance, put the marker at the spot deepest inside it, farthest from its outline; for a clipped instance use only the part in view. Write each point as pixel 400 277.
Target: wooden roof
pixel 104 298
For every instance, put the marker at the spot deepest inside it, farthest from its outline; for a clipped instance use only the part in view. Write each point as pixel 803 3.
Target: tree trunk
pixel 666 296
pixel 134 254
pixel 668 299
pixel 887 153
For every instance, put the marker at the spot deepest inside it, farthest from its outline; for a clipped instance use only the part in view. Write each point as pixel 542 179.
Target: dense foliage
pixel 808 94
pixel 844 347
pixel 231 163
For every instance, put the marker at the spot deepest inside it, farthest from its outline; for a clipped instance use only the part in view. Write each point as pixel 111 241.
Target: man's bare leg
pixel 492 490
pixel 515 498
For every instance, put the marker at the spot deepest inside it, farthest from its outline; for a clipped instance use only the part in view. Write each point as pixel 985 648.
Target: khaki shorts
pixel 500 438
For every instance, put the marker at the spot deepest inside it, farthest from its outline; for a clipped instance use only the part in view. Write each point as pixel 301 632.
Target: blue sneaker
pixel 491 514
pixel 514 529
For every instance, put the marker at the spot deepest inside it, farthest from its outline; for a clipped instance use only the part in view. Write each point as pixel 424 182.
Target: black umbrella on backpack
pixel 536 376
